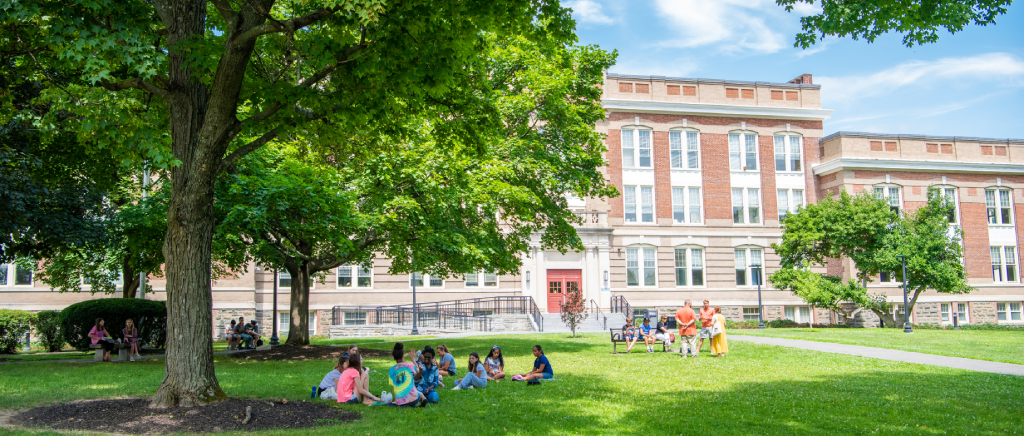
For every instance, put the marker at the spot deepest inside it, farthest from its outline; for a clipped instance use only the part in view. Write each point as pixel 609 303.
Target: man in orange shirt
pixel 686 319
pixel 706 314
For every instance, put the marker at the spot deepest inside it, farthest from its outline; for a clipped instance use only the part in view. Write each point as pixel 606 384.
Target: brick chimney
pixel 803 79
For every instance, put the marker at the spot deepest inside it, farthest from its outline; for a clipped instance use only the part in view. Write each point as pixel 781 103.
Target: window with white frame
pixel 1004 264
pixel 641 266
pixel 354 317
pixel 425 280
pixel 999 206
pixel 788 153
pixel 636 148
pixel 751 313
pixel 962 314
pixel 15 275
pixel 749 266
pixel 686 205
pixel 946 311
pixel 481 279
pixel 891 195
pixel 1009 311
pixel 898 310
pixel 743 151
pixel 363 277
pixel 789 201
pixel 801 314
pixel 3 273
pixel 639 203
pixel 685 149
pixel 746 206
pixel 887 277
pixel 284 279
pixel 284 320
pixel 949 194
pixel 689 266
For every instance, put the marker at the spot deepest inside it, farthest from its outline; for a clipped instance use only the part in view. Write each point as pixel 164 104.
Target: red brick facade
pixel 715 121
pixel 769 201
pixel 977 260
pixel 662 176
pixel 614 143
pixel 714 152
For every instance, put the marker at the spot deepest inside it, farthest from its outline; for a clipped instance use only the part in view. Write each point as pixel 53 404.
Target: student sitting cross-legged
pixel 354 384
pixel 541 367
pixel 403 377
pixel 427 378
pixel 495 364
pixel 476 376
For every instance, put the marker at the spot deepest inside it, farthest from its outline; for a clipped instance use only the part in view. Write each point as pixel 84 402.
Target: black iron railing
pixel 620 305
pixel 596 310
pixel 469 314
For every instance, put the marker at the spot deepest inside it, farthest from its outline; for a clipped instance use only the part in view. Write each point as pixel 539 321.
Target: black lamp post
pixel 906 311
pixel 274 340
pixel 760 307
pixel 415 331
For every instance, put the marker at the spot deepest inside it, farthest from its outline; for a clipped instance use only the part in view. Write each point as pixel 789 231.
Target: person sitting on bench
pixel 661 332
pixel 131 338
pixel 648 333
pixel 629 333
pixel 231 336
pixel 245 337
pixel 99 335
pixel 253 330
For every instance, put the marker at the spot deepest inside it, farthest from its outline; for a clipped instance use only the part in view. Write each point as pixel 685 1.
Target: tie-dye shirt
pixel 401 377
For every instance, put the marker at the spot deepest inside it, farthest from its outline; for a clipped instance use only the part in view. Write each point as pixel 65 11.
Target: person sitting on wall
pixel 245 337
pixel 661 332
pixel 231 336
pixel 253 330
pixel 647 331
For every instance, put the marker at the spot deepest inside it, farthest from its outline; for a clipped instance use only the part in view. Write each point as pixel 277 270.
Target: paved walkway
pixel 888 354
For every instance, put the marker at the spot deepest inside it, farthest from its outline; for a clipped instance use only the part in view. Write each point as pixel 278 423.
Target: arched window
pixel 684 144
pixel 749 265
pixel 689 266
pixel 788 152
pixel 641 266
pixel 637 147
pixel 743 151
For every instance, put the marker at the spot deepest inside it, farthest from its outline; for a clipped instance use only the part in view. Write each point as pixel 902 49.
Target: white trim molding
pixel 661 107
pixel 851 163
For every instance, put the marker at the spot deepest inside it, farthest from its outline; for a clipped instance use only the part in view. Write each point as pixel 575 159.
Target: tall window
pixel 425 280
pixel 746 206
pixel 685 148
pixel 789 201
pixel 746 258
pixel 641 267
pixel 949 194
pixel 636 148
pixel 788 153
pixel 485 279
pixel 1009 311
pixel 743 151
pixel 798 313
pixel 946 311
pixel 689 266
pixel 642 204
pixel 1004 264
pixel 3 274
pixel 999 209
pixel 363 277
pixel 686 205
pixel 891 194
pixel 285 320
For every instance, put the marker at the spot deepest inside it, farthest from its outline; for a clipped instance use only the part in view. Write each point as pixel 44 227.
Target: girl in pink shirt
pixel 354 385
pixel 99 335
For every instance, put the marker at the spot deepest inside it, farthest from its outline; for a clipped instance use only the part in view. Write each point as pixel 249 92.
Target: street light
pixel 415 331
pixel 274 340
pixel 906 311
pixel 760 307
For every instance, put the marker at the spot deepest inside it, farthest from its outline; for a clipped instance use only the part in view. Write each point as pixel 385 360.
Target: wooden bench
pixel 617 338
pixel 122 352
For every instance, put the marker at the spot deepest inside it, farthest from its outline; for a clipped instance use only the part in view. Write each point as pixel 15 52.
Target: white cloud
pixel 986 67
pixel 588 12
pixel 734 25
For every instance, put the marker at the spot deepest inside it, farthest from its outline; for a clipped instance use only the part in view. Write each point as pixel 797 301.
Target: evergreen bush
pixel 48 330
pixel 150 320
pixel 13 326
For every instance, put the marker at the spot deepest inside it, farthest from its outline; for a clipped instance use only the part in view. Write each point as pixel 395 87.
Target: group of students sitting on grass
pixel 418 374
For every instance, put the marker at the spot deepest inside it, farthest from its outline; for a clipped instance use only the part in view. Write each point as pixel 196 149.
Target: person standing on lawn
pixel 686 319
pixel 629 334
pixel 646 331
pixel 131 337
pixel 706 316
pixel 99 335
pixel 719 343
pixel 354 384
pixel 476 375
pixel 495 364
pixel 541 367
pixel 661 332
pixel 402 377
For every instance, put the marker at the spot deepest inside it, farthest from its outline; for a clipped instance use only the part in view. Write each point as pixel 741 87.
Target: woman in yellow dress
pixel 719 344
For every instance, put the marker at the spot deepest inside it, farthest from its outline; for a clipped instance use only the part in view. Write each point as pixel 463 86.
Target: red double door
pixel 560 283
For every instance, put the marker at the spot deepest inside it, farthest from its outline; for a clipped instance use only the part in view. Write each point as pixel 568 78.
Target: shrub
pixel 742 325
pixel 48 330
pixel 783 323
pixel 986 326
pixel 150 319
pixel 13 326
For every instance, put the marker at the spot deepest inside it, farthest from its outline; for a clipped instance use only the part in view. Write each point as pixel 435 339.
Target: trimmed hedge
pixel 986 326
pixel 13 326
pixel 150 319
pixel 48 330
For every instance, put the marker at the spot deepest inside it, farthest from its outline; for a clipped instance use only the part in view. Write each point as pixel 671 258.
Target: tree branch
pixel 134 83
pixel 275 26
pixel 225 10
pixel 240 152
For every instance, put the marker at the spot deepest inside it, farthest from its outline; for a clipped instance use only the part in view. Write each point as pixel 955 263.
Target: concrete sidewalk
pixel 887 354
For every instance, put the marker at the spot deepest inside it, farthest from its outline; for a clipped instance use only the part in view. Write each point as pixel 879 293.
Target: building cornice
pixel 849 163
pixel 720 110
pixel 841 134
pixel 722 81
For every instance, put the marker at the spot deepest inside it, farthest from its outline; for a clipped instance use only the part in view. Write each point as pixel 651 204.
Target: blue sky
pixel 968 84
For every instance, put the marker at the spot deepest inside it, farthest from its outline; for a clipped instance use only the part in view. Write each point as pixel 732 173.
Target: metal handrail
pixel 401 316
pixel 596 310
pixel 479 308
pixel 620 305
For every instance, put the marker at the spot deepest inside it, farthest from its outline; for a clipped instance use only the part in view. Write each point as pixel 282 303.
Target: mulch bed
pixel 304 352
pixel 133 416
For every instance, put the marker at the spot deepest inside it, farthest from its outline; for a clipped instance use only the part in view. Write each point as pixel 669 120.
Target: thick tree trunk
pixel 131 280
pixel 298 330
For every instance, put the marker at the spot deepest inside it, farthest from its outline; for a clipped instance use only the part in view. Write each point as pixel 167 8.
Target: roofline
pixel 720 110
pixel 699 80
pixel 929 137
pixel 916 165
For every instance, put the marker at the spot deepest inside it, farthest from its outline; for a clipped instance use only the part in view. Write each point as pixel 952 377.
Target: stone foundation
pixel 222 318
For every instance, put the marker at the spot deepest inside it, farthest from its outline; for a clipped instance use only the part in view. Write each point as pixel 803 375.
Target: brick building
pixel 705 168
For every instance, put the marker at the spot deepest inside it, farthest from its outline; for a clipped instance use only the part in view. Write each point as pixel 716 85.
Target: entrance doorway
pixel 560 283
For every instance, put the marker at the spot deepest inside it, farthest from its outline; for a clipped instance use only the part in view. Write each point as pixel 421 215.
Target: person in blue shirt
pixel 541 367
pixel 427 378
pixel 446 363
pixel 648 333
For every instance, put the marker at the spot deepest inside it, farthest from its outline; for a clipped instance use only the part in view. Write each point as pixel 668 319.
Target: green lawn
pixel 994 345
pixel 756 389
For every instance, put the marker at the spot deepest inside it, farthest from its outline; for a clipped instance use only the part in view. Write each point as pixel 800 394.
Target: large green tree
pixel 867 231
pixel 218 79
pixel 436 199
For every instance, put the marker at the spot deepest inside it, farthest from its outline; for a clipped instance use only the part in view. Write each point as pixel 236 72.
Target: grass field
pixel 756 389
pixel 994 345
